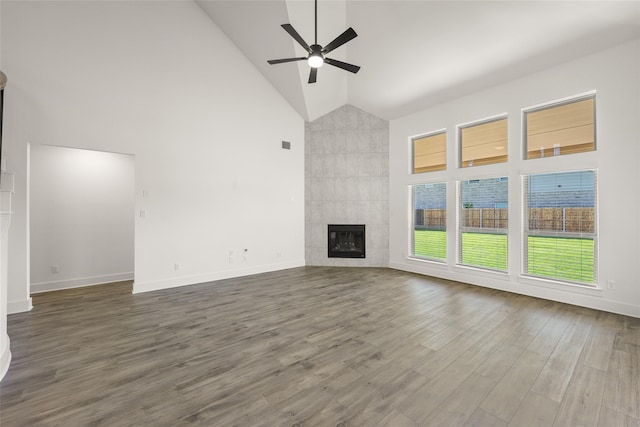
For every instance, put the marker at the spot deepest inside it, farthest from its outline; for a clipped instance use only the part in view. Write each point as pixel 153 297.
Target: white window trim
pixel 459 230
pixel 555 103
pixel 458 142
pixel 411 248
pixel 411 154
pixel 550 282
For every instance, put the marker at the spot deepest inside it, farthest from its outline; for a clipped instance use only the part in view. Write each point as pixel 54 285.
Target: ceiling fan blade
pixel 280 61
pixel 343 65
pixel 312 75
pixel 293 33
pixel 349 34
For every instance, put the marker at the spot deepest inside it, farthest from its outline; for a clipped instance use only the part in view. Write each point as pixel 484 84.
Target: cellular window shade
pixel 430 153
pixel 560 226
pixel 562 129
pixel 484 143
pixel 483 222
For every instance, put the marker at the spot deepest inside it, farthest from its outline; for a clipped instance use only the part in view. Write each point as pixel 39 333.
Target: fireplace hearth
pixel 346 240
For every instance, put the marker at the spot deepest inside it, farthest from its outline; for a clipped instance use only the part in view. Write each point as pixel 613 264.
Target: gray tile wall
pixel 347 182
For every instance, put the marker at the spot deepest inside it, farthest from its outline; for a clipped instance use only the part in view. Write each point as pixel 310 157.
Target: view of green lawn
pixel 552 257
pixel 430 244
pixel 562 258
pixel 485 250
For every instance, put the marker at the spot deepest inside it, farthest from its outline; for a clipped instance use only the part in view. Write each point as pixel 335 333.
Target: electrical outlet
pixel 230 257
pixel 55 269
pixel 611 284
pixel 176 266
pixel 244 255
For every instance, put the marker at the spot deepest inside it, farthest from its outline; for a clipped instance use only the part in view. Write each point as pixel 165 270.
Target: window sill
pixel 430 262
pixel 478 271
pixel 594 290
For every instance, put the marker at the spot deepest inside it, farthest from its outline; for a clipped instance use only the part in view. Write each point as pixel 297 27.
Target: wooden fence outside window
pixel 569 220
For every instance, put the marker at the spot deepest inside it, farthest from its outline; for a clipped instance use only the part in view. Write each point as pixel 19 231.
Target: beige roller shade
pixel 484 143
pixel 430 153
pixel 561 129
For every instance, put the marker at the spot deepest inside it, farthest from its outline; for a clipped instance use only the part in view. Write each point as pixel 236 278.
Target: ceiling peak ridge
pixel 346 107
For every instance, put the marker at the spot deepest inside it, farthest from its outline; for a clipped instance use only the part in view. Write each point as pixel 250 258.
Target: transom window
pixel 483 143
pixel 430 153
pixel 559 129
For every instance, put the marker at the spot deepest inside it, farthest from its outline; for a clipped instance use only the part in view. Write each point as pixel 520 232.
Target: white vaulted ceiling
pixel 415 54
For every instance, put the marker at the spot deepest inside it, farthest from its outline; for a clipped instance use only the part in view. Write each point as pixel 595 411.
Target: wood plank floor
pixel 318 346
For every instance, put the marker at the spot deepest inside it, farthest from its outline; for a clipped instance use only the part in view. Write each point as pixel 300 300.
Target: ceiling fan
pixel 317 53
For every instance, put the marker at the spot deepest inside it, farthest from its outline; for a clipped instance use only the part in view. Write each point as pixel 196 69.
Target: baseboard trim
pixel 79 283
pixel 5 358
pixel 563 296
pixel 156 285
pixel 14 307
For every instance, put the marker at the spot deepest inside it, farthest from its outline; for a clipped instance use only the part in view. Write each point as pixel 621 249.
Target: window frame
pixel 412 243
pixel 412 159
pixel 487 120
pixel 551 105
pixel 460 229
pixel 526 232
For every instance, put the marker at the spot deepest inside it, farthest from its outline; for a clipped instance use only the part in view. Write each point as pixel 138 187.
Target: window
pixel 560 226
pixel 430 221
pixel 483 143
pixel 430 153
pixel 483 223
pixel 560 129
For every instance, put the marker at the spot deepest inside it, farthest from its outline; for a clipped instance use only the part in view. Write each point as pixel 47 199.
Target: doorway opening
pixel 81 217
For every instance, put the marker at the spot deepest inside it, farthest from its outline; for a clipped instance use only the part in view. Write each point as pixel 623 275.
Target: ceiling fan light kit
pixel 316 57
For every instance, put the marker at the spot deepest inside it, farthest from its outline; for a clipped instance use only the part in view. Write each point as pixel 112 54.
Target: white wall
pixel 613 74
pixel 160 81
pixel 82 217
pixel 5 351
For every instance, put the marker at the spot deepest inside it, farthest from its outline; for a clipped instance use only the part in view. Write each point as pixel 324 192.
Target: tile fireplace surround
pixel 347 182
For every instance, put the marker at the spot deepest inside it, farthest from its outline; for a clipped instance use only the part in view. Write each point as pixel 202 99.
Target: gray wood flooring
pixel 319 346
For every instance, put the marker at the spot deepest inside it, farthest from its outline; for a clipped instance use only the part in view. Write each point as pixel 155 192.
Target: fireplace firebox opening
pixel 346 241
